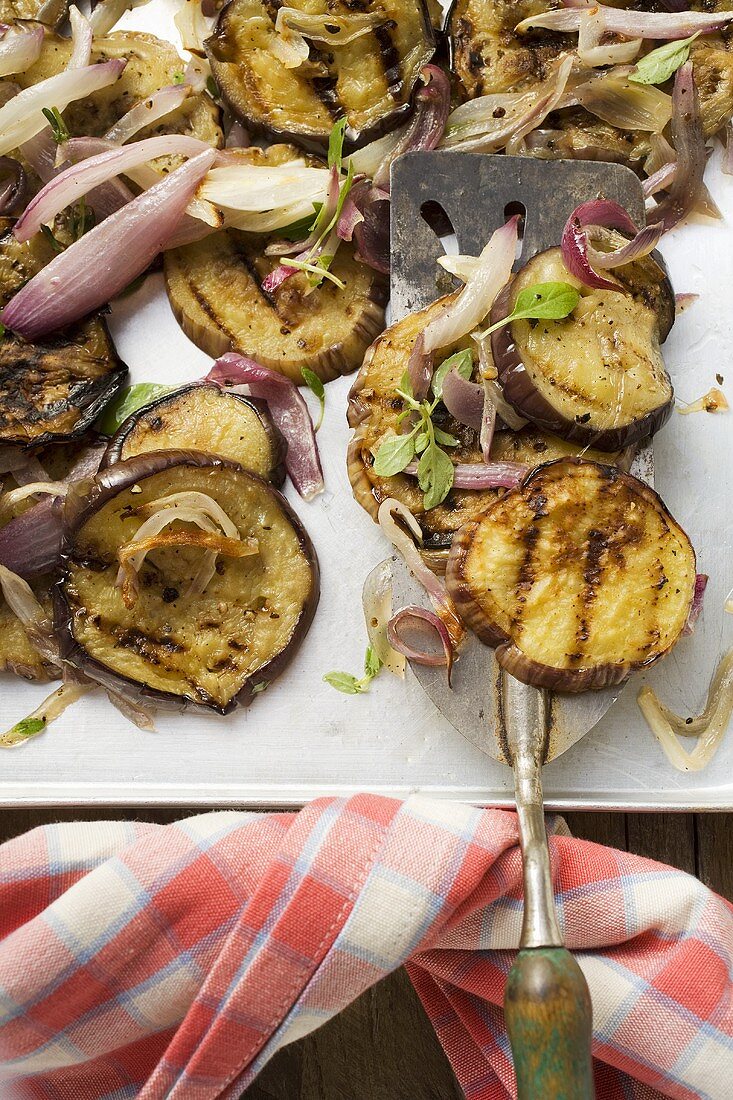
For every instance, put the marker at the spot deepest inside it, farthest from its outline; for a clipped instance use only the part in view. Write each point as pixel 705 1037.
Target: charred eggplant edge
pixel 309 141
pixel 276 477
pixel 107 485
pixel 509 655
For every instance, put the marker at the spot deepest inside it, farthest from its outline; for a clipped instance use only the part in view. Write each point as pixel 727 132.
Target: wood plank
pixel 714 834
pixel 603 828
pixel 670 838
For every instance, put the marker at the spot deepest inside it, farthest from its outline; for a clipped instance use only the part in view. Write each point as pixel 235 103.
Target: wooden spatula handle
pixel 547 1008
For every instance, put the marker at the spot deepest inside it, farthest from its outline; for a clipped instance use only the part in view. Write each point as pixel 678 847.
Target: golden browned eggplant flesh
pixel 578 577
pixel 145 622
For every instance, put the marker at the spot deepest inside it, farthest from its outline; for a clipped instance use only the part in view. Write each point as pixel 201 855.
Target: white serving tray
pixel 302 739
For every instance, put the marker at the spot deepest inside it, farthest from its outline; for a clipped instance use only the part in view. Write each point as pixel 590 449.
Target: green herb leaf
pixel 462 361
pixel 336 143
pixel 57 124
pixel 421 441
pixel 659 65
pixel 21 731
pixel 394 454
pixel 372 663
pixel 434 475
pixel 444 438
pixel 317 388
pixel 128 402
pixel 405 385
pixel 545 301
pixel 56 244
pixel 82 219
pixel 315 269
pixel 344 682
pixel 178 78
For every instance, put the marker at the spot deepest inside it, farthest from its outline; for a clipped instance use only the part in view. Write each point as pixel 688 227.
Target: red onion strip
pixel 287 408
pixel 30 544
pixel 488 426
pixel 575 246
pixel 403 542
pixel 701 583
pixel 81 38
pixel 411 617
pixel 483 475
pixel 464 400
pixel 71 184
pixel 106 259
pixel 19 51
pixel 469 307
pixel 149 110
pixel 21 117
pixel 689 143
pixel 631 24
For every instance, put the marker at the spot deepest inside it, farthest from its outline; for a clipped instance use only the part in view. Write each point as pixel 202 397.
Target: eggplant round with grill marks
pixel 204 417
pixel 55 388
pixel 578 577
pixel 597 376
pixel 176 644
pixel 366 70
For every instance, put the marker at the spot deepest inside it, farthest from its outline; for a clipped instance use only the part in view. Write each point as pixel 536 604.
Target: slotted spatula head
pixel 478 192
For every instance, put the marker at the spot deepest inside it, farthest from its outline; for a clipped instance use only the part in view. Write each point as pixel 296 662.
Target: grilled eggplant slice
pixel 374 408
pixel 17 654
pixel 53 389
pixel 151 64
pixel 206 418
pixel 578 577
pixel 51 13
pixel 370 80
pixel 215 290
pixel 215 650
pixel 597 377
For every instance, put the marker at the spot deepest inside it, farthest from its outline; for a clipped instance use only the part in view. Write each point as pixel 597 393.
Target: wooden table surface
pixel 382 1047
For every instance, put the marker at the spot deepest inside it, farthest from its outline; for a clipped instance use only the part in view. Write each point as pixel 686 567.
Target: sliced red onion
pixel 13 185
pixel 308 250
pixel 31 470
pixel 483 475
pixel 108 196
pixel 432 106
pixel 19 51
pixel 146 112
pixel 12 459
pixel 403 542
pixel 81 39
pixel 30 544
pixel 464 400
pixel 683 302
pixel 237 137
pixel 469 307
pixel 106 259
pixel 376 602
pixel 659 180
pixel 40 152
pixel 488 425
pixel 577 252
pixel 591 49
pixel 631 24
pixel 70 185
pixel 351 212
pixel 688 139
pixel 21 118
pixel 421 621
pixel 371 234
pixel 287 408
pixel 701 583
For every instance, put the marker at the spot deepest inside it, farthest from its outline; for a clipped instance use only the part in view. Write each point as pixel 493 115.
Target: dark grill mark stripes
pixel 595 549
pixel 390 58
pixel 526 575
pixel 325 87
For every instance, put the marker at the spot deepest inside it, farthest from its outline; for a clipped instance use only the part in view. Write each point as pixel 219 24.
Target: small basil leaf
pixel 395 452
pixel 444 438
pixel 317 388
pixel 659 65
pixel 462 361
pixel 128 402
pixel 336 143
pixel 21 731
pixel 545 301
pixel 406 385
pixel 421 442
pixel 372 663
pixel 344 682
pixel 435 476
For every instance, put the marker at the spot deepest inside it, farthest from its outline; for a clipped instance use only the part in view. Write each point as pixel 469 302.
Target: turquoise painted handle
pixel 549 1019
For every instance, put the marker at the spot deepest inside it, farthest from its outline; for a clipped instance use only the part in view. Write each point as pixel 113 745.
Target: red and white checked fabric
pixel 174 960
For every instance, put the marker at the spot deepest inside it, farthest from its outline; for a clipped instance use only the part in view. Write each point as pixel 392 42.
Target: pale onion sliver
pixel 376 600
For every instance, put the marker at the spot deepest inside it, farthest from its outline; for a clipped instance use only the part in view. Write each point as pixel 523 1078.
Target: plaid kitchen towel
pixel 173 961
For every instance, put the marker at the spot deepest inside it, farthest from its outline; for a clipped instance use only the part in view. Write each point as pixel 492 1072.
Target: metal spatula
pixel 547 1004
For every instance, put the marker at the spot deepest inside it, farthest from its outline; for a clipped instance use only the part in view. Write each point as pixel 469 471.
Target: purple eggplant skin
pixel 313 142
pixel 117 445
pixel 519 390
pixel 508 654
pixel 108 484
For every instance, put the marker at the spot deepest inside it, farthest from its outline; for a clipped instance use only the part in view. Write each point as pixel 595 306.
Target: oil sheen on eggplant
pixel 489 57
pixel 578 577
pixel 204 417
pixel 215 290
pixel 215 650
pixel 152 63
pixel 374 408
pixel 369 80
pixel 53 389
pixel 596 377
